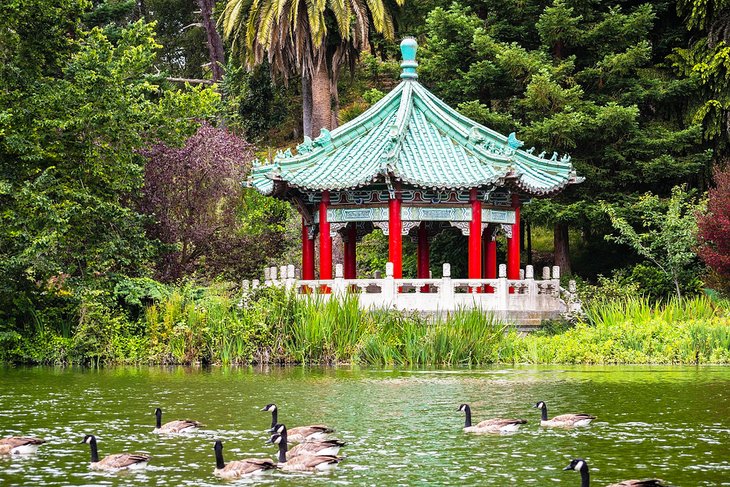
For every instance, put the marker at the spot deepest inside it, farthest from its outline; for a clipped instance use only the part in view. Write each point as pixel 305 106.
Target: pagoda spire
pixel 408 47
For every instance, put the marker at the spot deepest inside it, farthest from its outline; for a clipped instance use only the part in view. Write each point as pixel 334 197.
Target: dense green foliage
pixel 93 96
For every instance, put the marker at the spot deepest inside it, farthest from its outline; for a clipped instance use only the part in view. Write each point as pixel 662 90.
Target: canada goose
pixel 315 447
pixel 173 427
pixel 580 465
pixel 239 468
pixel 118 461
pixel 496 425
pixel 19 445
pixel 301 433
pixel 564 420
pixel 303 463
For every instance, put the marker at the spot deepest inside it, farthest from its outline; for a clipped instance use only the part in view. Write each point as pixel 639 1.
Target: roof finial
pixel 408 48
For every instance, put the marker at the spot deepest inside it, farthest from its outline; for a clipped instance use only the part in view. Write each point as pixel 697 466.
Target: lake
pixel 402 426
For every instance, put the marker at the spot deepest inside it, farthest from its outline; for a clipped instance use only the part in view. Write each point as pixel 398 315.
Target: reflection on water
pixel 402 426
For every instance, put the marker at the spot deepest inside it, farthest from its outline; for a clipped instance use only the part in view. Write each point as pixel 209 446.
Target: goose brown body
pixel 239 468
pixel 304 462
pixel 564 420
pixel 314 447
pixel 300 433
pixel 174 427
pixel 19 445
pixel 117 461
pixel 494 425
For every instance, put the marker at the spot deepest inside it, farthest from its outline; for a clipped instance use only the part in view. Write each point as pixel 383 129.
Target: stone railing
pixel 539 298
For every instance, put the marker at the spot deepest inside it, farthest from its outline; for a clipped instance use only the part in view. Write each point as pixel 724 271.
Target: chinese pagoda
pixel 411 165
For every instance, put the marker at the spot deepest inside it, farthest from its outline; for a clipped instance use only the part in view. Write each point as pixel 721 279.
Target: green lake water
pixel 402 426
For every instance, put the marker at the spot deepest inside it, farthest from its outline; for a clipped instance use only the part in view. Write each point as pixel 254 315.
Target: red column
pixel 423 268
pixel 513 244
pixel 350 249
pixel 490 257
pixel 475 237
pixel 395 239
pixel 325 241
pixel 307 254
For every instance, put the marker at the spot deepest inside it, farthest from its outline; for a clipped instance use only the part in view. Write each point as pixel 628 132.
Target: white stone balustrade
pixel 506 297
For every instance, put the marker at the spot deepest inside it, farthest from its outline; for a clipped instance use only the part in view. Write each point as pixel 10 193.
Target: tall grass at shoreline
pixel 215 325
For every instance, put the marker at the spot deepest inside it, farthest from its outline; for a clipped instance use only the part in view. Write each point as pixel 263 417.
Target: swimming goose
pixel 118 461
pixel 303 463
pixel 496 425
pixel 19 445
pixel 580 465
pixel 173 427
pixel 239 468
pixel 301 433
pixel 314 447
pixel 564 420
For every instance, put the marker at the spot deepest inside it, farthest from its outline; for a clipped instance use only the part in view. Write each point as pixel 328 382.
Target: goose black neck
pixel 159 418
pixel 585 477
pixel 274 418
pixel 219 463
pixel 94 451
pixel 544 412
pixel 282 449
pixel 467 411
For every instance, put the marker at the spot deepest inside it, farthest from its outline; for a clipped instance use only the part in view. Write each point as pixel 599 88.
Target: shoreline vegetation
pixel 215 325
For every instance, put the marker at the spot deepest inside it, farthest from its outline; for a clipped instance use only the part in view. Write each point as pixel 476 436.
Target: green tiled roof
pixel 413 137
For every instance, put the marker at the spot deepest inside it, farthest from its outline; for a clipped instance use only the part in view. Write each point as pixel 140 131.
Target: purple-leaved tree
pixel 192 193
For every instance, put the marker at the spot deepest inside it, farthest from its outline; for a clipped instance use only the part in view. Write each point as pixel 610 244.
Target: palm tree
pixel 293 36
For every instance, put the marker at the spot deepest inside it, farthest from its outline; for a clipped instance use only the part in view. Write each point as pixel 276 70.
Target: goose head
pixel 89 439
pixel 218 446
pixel 577 464
pixel 540 405
pixel 269 408
pixel 275 439
pixel 279 428
pixel 464 408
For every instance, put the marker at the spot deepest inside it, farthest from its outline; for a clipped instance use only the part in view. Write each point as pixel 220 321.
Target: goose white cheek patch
pixel 579 465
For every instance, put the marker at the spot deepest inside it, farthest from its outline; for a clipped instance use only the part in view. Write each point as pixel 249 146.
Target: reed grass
pixel 277 327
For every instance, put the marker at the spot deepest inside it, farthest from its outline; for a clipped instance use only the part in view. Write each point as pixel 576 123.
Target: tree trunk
pixel 321 99
pixel 562 248
pixel 307 105
pixel 215 45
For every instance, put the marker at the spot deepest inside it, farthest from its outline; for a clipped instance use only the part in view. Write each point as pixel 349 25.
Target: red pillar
pixel 475 237
pixel 395 239
pixel 423 268
pixel 325 241
pixel 307 254
pixel 513 244
pixel 350 249
pixel 490 257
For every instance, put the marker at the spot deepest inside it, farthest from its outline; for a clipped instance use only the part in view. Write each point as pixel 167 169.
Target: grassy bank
pixel 214 325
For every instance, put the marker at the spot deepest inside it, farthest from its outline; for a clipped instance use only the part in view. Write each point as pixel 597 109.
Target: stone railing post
pixel 388 289
pixel 446 289
pixel 502 290
pixel 556 279
pixel 255 283
pixel 531 287
pixel 290 279
pixel 338 288
pixel 272 275
pixel 267 276
pixel 244 294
